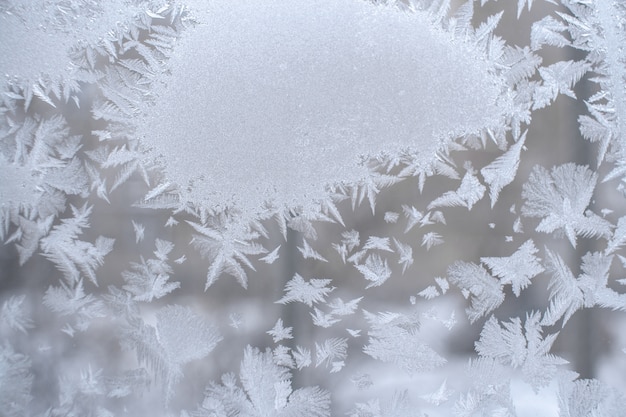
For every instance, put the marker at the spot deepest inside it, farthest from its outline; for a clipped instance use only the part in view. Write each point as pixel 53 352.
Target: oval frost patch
pixel 275 99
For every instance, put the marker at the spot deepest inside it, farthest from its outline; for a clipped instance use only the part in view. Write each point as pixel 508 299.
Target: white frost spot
pixel 275 100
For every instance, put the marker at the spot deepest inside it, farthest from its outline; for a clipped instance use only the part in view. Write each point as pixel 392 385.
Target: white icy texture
pixel 17 185
pixel 36 35
pixel 275 99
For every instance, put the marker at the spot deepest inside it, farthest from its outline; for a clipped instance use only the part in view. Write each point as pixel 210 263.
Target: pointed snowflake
pixel 375 269
pixel 521 347
pixel 313 291
pixel 469 193
pixel 394 338
pixel 517 269
pixel 279 332
pixel 501 172
pixel 485 291
pixel 265 391
pixel 560 198
pixel 228 245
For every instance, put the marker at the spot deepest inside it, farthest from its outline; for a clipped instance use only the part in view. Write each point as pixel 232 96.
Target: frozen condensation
pixel 36 35
pixel 274 100
pixel 18 186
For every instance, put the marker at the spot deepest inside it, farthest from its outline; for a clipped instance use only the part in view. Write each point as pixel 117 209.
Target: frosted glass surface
pixel 312 208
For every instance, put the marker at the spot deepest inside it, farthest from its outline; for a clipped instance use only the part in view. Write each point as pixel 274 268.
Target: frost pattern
pixel 327 104
pixel 312 208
